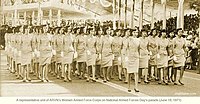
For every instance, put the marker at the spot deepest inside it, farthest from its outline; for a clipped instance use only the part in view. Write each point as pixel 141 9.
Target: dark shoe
pixel 159 82
pixel 136 90
pixel 47 80
pixel 87 80
pixel 93 80
pixel 29 80
pixel 175 83
pixel 180 82
pixel 166 83
pixel 126 82
pixel 108 79
pixel 156 79
pixel 65 80
pixel 129 90
pixel 147 82
pixel 120 79
pixel 104 81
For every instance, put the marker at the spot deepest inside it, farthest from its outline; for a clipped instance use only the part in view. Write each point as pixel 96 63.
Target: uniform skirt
pixel 133 63
pixel 91 59
pixel 58 56
pixel 45 57
pixel 107 59
pixel 116 60
pixel 68 57
pixel 163 61
pixel 153 59
pixel 98 59
pixel 18 58
pixel 124 62
pixel 179 61
pixel 82 56
pixel 143 61
pixel 26 57
pixel 170 61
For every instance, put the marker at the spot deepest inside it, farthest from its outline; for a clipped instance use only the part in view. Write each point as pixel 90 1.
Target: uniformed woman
pixel 81 51
pixel 144 56
pixel 125 53
pixel 179 55
pixel 170 51
pixel 116 48
pixel 59 53
pixel 153 49
pixel 19 32
pixel 133 58
pixel 13 50
pixel 162 57
pixel 107 55
pixel 68 51
pixel 26 51
pixel 91 53
pixel 98 51
pixel 45 53
pixel 53 45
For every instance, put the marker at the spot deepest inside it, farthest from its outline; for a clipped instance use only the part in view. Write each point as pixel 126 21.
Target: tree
pixel 196 6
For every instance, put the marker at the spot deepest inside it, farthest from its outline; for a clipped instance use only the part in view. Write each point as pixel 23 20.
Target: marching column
pixel 132 14
pixel 180 17
pixel 141 14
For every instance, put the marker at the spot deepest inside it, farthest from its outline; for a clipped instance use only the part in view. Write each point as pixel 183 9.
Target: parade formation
pixel 91 52
pixel 101 50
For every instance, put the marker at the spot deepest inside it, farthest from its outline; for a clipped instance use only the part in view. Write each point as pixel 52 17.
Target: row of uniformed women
pixel 21 51
pixel 62 47
pixel 167 54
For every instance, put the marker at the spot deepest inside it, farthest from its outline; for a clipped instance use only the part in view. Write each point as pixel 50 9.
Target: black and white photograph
pixel 100 49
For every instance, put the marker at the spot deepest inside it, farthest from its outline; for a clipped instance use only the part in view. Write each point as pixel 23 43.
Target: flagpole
pixel 141 14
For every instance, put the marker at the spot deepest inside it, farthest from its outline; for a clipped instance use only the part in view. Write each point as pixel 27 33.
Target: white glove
pixel 150 53
pixel 15 51
pixel 75 54
pixel 6 48
pixel 54 52
pixel 62 54
pixel 119 58
pixel 126 59
pixel 175 58
pixel 99 56
pixel 20 53
pixel 113 56
pixel 38 53
pixel 88 52
pixel 158 56
pixel 35 50
pixel 33 54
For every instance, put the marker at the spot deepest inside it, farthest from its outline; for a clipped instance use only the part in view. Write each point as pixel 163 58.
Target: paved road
pixel 56 88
